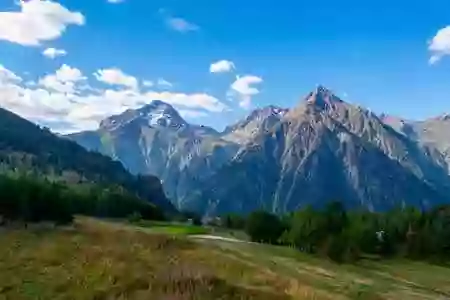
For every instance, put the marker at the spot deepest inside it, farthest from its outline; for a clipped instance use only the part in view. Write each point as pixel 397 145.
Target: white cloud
pixel 434 59
pixel 177 23
pixel 243 87
pixel 52 83
pixel 196 100
pixel 64 79
pixel 53 52
pixel 6 76
pixel 440 45
pixel 37 21
pixel 67 73
pixel 192 113
pixel 115 76
pixel 181 25
pixel 30 83
pixel 62 102
pixel 148 83
pixel 222 66
pixel 164 83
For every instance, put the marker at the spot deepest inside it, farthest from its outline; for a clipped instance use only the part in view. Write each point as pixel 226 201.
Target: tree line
pixel 31 199
pixel 344 235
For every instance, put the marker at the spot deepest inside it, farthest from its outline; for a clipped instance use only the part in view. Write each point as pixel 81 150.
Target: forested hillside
pixel 28 149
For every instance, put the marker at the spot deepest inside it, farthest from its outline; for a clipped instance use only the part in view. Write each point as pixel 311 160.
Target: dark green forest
pixel 29 199
pixel 346 236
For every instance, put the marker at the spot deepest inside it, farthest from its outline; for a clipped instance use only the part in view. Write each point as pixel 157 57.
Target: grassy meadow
pixel 104 260
pixel 172 228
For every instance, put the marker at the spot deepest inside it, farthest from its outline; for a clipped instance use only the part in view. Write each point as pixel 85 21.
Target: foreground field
pixel 99 260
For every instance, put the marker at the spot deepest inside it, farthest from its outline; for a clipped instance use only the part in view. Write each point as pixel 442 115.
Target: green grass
pixel 111 260
pixel 172 228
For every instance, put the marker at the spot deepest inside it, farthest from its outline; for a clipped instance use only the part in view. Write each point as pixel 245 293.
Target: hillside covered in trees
pixel 27 149
pixel 28 199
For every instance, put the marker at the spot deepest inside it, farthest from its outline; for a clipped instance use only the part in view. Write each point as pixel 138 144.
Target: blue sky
pixel 374 53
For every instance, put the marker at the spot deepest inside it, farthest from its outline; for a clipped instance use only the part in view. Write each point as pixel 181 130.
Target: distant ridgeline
pixel 52 165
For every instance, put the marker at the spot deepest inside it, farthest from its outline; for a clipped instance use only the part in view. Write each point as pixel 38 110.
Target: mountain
pixel 25 147
pixel 324 149
pixel 258 121
pixel 432 134
pixel 155 139
pixel 278 159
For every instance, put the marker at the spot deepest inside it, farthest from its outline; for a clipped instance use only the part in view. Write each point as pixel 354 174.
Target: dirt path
pixel 215 237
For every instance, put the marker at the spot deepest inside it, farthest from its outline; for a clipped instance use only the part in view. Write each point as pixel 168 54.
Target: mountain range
pixel 282 159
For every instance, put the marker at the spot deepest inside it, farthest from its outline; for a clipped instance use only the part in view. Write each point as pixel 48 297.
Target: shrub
pixel 135 217
pixel 264 227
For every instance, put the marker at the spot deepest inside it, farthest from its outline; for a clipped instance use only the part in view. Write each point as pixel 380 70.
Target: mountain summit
pixel 258 121
pixel 156 114
pixel 323 98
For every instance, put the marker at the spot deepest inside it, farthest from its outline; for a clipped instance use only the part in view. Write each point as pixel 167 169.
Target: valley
pixel 295 204
pixel 224 150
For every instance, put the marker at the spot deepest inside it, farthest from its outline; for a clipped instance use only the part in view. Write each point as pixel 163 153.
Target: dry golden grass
pixel 96 260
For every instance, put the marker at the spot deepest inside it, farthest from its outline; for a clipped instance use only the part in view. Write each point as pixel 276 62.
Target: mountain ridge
pixel 275 152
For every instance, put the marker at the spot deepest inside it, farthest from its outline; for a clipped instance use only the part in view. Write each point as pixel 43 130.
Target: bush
pixel 233 221
pixel 134 218
pixel 264 227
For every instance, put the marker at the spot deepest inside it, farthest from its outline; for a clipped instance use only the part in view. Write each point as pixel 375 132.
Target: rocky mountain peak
pixel 156 114
pixel 157 105
pixel 443 117
pixel 390 119
pixel 323 98
pixel 161 114
pixel 266 112
pixel 258 116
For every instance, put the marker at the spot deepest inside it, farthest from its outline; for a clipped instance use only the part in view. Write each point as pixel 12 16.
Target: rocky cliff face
pixel 324 149
pixel 432 135
pixel 257 122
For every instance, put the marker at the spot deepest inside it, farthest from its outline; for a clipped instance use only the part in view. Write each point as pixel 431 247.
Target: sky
pixel 69 64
